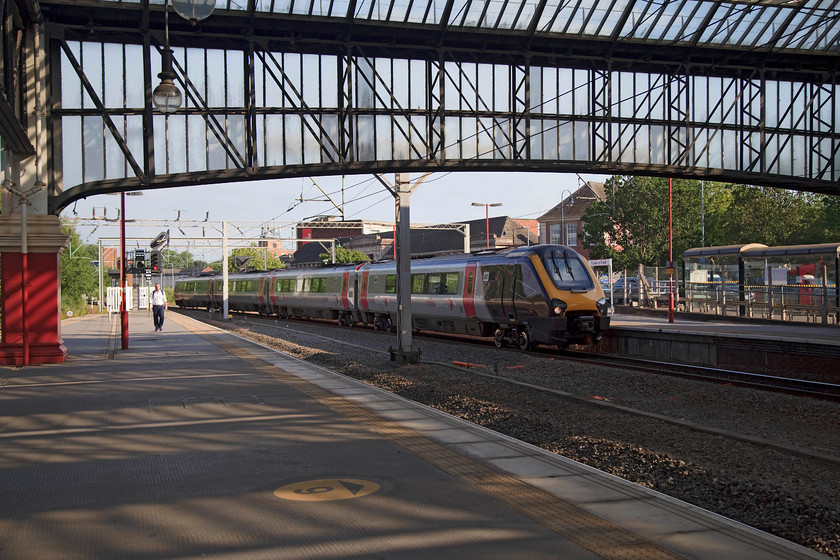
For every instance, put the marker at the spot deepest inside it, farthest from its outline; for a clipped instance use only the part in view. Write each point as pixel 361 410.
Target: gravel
pixel 789 495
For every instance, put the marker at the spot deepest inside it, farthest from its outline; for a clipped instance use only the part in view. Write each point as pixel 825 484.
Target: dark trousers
pixel 157 315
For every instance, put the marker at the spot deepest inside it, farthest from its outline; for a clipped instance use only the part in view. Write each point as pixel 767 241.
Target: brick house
pixel 562 224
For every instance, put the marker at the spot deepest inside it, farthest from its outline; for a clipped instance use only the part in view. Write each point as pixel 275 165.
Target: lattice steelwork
pixel 674 88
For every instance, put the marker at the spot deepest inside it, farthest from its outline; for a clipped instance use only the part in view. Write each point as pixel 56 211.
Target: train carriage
pixel 544 294
pixel 325 293
pixel 246 292
pixel 193 292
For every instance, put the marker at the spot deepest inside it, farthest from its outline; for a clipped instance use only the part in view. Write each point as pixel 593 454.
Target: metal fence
pixel 813 301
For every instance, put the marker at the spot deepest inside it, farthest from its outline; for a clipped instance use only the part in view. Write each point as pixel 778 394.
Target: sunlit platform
pixel 197 444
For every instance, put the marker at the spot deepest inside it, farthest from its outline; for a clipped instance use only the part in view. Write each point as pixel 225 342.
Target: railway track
pixel 785 385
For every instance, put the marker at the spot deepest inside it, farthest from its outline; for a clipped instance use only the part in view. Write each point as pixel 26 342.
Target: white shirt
pixel 158 297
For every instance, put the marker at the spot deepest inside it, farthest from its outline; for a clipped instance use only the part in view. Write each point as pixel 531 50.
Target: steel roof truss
pixel 103 112
pixel 783 115
pixel 678 91
pixel 297 101
pixel 550 23
pixel 823 149
pixel 497 124
pixel 821 38
pixel 658 16
pixel 601 91
pixel 622 20
pixel 752 123
pixel 435 96
pixel 389 88
pixel 218 130
pixel 521 124
pixel 714 28
pixel 588 17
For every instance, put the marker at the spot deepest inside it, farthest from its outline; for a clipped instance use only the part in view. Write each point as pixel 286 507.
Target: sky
pixel 441 198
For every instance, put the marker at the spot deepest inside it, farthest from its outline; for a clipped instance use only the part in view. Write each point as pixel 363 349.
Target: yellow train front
pixel 544 294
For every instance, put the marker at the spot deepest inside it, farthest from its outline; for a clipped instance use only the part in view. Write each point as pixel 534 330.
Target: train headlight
pixel 558 306
pixel 601 304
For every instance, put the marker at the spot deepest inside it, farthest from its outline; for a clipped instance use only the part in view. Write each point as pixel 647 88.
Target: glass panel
pixel 94 156
pixel 417 283
pixel 566 270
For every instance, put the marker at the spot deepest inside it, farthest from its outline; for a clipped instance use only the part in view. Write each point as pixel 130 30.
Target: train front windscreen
pixel 567 270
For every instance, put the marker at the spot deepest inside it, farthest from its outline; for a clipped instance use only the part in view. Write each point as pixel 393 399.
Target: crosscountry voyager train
pixel 542 294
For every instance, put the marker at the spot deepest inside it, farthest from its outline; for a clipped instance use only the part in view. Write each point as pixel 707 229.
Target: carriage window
pixel 391 284
pixel 452 279
pixel 434 285
pixel 316 285
pixel 418 282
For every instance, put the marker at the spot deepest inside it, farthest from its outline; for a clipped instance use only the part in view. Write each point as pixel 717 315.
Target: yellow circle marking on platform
pixel 326 489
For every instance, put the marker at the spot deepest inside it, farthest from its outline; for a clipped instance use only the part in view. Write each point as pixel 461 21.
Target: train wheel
pixel 386 324
pixel 499 338
pixel 341 321
pixel 524 341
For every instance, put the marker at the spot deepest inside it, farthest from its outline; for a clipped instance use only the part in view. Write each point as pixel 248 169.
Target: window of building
pixel 554 234
pixel 571 234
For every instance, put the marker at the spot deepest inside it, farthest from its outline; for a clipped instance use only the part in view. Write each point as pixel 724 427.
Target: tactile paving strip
pixel 605 539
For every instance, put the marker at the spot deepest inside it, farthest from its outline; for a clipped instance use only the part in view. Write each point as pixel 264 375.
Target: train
pixel 523 296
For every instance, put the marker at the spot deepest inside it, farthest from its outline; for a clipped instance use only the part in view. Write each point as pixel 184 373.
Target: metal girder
pixel 323 97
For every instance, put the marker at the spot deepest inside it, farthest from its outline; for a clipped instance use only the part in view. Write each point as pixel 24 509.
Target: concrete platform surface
pixel 804 333
pixel 194 444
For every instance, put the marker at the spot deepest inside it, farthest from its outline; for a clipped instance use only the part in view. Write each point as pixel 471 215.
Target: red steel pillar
pixel 30 237
pixel 30 291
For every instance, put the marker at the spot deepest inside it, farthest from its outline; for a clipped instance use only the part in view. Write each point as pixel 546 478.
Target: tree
pixel 78 275
pixel 636 215
pixel 771 216
pixel 631 226
pixel 261 259
pixel 343 255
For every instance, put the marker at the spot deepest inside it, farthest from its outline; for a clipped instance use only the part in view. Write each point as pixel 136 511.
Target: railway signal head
pixel 155 262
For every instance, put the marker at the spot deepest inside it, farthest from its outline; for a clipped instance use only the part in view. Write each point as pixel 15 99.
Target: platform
pixel 197 444
pixel 775 331
pixel 800 350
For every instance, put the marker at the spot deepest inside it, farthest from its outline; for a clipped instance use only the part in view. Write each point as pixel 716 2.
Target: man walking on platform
pixel 157 303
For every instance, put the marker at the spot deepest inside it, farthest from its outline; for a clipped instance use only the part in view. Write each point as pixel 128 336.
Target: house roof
pixel 575 205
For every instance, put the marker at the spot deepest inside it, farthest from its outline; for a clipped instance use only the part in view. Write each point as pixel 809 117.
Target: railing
pixel 813 303
pixel 789 302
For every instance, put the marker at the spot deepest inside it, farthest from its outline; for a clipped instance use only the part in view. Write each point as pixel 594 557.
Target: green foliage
pixel 343 255
pixel 78 275
pixel 636 214
pixel 261 259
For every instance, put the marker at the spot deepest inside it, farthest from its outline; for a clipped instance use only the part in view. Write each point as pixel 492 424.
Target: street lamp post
pixel 487 206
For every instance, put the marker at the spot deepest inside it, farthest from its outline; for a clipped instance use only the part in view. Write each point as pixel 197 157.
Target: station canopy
pixel 772 25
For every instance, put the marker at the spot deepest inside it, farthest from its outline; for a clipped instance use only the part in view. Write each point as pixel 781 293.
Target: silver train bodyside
pixel 543 294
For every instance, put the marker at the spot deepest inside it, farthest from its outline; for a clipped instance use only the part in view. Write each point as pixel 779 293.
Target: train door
pixel 469 290
pixel 356 293
pixel 345 286
pixel 363 291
